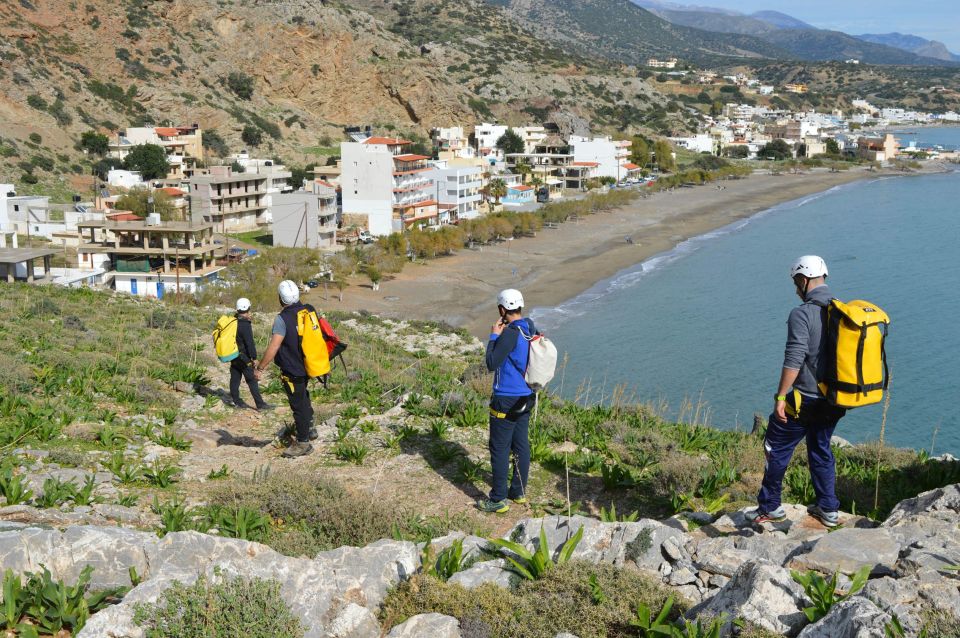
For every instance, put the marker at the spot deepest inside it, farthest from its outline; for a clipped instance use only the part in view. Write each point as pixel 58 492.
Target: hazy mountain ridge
pixel 912 43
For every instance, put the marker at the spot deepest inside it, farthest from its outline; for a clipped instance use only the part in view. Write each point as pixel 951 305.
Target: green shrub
pixel 251 135
pixel 225 607
pixel 241 85
pixel 561 601
pixel 314 513
pixel 37 102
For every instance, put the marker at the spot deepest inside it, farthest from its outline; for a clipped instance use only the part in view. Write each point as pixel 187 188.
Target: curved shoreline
pixel 558 265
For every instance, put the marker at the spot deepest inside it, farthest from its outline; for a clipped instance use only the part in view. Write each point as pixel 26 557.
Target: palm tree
pixel 497 188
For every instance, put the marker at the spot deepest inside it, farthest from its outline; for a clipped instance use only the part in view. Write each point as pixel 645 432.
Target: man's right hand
pixel 780 411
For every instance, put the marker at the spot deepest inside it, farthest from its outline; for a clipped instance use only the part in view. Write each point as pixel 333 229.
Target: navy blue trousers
pixel 508 436
pixel 817 421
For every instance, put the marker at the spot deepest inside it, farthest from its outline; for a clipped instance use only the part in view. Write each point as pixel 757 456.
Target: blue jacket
pixel 507 358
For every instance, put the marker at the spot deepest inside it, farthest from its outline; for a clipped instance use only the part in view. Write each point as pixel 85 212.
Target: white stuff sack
pixel 541 361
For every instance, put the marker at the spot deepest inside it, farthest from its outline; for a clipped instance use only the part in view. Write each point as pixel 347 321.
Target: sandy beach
pixel 558 264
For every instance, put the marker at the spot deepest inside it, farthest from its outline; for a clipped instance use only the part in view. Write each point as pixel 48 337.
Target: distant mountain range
pixel 804 40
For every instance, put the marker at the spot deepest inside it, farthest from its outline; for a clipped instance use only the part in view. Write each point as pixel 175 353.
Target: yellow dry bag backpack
pixel 316 357
pixel 225 338
pixel 855 361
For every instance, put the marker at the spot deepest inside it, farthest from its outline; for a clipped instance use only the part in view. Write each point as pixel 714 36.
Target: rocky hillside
pixel 305 71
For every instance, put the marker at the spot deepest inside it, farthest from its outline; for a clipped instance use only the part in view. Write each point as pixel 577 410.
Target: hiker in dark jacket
pixel 243 365
pixel 284 349
pixel 800 411
pixel 510 403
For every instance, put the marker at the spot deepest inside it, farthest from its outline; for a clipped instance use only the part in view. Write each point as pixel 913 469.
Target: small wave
pixel 629 277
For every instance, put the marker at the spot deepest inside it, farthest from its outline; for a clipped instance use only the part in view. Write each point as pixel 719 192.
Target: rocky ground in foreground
pixel 724 567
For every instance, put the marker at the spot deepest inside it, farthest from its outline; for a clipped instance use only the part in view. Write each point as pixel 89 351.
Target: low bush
pixel 219 608
pixel 564 600
pixel 314 513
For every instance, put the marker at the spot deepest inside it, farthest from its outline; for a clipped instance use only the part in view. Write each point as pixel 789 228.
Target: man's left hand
pixel 497 328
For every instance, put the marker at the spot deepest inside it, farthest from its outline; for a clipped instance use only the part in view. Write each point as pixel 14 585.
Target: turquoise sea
pixel 706 322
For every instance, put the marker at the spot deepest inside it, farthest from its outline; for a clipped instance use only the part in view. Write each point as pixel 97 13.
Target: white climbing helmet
pixel 289 292
pixel 510 299
pixel 810 266
pixel 243 304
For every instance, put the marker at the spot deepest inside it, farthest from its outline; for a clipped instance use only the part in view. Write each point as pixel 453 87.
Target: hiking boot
pixel 520 500
pixel 492 507
pixel 240 405
pixel 827 519
pixel 313 435
pixel 265 407
pixel 300 448
pixel 758 516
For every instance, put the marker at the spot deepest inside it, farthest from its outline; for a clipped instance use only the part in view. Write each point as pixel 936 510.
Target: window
pixel 16 207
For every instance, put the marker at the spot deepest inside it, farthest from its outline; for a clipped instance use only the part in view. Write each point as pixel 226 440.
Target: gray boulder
pixel 353 621
pixel 427 625
pixel 369 572
pixel 639 542
pixel 761 593
pixel 490 571
pixel 856 617
pixel 926 514
pixel 473 546
pixel 848 549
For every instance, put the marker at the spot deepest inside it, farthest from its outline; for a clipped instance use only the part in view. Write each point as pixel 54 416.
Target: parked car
pixel 365 237
pixel 543 194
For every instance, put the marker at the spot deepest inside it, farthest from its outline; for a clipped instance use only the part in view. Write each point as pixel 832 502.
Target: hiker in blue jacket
pixel 510 403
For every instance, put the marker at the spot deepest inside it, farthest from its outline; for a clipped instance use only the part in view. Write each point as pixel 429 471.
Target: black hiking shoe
pixel 265 407
pixel 240 405
pixel 298 449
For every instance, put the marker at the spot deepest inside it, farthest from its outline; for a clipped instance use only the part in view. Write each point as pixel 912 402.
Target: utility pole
pixel 176 269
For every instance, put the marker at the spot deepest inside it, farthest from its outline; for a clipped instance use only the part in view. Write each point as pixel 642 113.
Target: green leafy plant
pixel 128 500
pixel 240 522
pixel 615 476
pixel 610 515
pixel 56 493
pixel 351 412
pixel 392 442
pixel 447 563
pixel 52 606
pixel 439 428
pixel 110 436
pixel 534 565
pixel 13 487
pixel 444 453
pixel 406 431
pixel 649 625
pixel 175 516
pixel 823 593
pixel 597 594
pixel 471 415
pixel 84 495
pixel 168 438
pixel 469 471
pixel 353 451
pixel 222 473
pixel 161 474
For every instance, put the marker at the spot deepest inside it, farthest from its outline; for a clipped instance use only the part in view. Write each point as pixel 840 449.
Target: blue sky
pixel 931 19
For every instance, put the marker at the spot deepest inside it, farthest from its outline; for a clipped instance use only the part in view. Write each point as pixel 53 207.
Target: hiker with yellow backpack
pixel 233 341
pixel 298 348
pixel 834 360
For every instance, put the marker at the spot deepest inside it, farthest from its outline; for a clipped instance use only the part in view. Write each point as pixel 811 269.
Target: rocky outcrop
pixel 761 593
pixel 728 567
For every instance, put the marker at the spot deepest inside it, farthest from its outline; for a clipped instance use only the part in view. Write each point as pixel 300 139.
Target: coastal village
pixel 191 207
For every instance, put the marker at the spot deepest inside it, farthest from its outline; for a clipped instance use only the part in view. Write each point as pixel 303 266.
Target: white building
pixel 459 186
pixel 124 179
pixel 488 134
pixel 183 145
pixel 765 89
pixel 699 143
pixel 277 176
pixel 6 192
pixel 306 219
pixel 609 155
pixel 384 187
pixel 531 136
pixel 451 142
pixel 231 201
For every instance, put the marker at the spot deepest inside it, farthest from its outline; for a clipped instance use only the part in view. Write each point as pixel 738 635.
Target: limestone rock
pixel 639 542
pixel 856 617
pixel 760 593
pixel 490 571
pixel 353 621
pixel 473 546
pixel 849 549
pixel 374 568
pixel 432 625
pixel 930 511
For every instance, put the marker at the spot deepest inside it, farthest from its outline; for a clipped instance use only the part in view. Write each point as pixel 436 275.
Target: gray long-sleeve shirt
pixel 805 340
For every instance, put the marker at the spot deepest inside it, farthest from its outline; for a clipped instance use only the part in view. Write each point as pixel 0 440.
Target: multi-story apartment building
pixel 459 187
pixel 451 142
pixel 608 154
pixel 279 179
pixel 232 202
pixel 306 219
pixel 385 188
pixel 549 162
pixel 148 258
pixel 183 144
